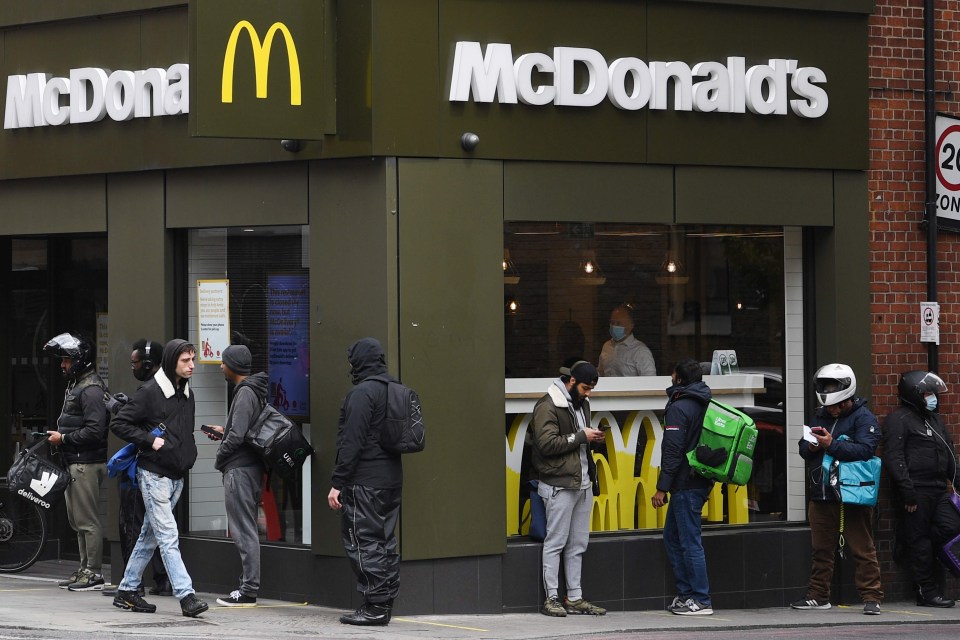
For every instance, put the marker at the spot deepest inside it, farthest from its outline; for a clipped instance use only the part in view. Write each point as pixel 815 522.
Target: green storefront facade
pixel 417 135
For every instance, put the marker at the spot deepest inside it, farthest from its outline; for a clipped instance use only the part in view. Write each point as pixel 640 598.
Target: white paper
pixel 808 436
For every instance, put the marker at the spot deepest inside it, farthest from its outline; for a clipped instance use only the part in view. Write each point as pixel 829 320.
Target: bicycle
pixel 23 531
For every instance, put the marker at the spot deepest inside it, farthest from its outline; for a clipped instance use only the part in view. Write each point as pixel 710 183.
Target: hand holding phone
pixel 212 432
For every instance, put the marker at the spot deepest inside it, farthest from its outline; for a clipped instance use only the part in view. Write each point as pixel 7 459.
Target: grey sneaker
pixel 63 584
pixel 552 607
pixel 88 581
pixel 582 607
pixel 871 608
pixel 693 608
pixel 676 602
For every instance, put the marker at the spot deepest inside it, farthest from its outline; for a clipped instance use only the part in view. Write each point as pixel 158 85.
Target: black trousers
pixel 132 511
pixel 926 528
pixel 368 525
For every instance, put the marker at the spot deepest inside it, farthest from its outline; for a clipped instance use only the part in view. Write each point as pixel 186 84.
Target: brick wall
pixel 898 241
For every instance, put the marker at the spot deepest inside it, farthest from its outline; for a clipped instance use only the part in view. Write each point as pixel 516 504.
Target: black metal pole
pixel 930 109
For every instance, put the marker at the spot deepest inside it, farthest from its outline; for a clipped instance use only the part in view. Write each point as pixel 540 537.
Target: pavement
pixel 31 605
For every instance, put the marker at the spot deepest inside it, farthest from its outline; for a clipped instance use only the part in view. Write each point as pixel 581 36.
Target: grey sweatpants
pixel 568 531
pixel 241 492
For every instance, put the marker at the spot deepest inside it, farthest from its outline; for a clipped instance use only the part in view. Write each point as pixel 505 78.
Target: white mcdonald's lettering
pixel 632 84
pixel 90 94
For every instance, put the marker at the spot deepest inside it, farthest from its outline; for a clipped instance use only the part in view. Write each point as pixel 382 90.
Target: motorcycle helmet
pixel 78 349
pixel 916 384
pixel 834 383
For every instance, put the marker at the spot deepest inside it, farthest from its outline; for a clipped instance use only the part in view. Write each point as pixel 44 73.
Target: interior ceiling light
pixel 510 273
pixel 589 271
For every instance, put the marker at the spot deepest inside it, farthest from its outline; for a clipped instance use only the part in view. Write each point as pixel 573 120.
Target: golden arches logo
pixel 261 60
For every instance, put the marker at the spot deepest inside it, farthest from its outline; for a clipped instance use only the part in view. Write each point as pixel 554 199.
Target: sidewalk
pixel 31 600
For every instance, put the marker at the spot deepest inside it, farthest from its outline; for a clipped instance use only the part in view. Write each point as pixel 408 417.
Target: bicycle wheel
pixel 23 532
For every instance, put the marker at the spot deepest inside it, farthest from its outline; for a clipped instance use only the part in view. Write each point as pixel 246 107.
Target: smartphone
pixel 39 434
pixel 210 431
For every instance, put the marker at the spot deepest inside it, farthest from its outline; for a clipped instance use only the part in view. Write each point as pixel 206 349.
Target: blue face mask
pixel 931 403
pixel 617 333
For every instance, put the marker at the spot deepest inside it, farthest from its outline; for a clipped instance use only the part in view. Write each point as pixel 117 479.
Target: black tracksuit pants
pixel 368 525
pixel 930 525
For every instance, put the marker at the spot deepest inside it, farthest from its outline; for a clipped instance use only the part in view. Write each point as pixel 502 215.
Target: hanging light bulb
pixel 510 273
pixel 589 271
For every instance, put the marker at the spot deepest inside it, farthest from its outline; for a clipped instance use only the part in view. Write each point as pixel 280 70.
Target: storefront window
pixel 688 291
pixel 265 271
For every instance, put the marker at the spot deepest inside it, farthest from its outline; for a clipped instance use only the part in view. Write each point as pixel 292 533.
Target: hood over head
pixel 171 353
pixel 366 359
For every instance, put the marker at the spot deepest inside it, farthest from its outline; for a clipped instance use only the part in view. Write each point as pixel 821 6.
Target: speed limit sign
pixel 948 167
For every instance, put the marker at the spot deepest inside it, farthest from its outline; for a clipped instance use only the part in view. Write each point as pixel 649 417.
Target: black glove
pixel 114 402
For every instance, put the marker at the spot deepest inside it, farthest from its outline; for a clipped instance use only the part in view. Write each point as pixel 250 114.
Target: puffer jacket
pixel 557 441
pixel 167 400
pixel 863 433
pixel 917 452
pixel 83 420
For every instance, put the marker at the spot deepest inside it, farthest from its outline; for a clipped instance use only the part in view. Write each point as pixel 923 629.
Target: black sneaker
pixel 63 584
pixel 810 603
pixel 936 600
pixel 676 602
pixel 88 581
pixel 132 601
pixel 369 615
pixel 871 608
pixel 237 599
pixel 192 606
pixel 693 608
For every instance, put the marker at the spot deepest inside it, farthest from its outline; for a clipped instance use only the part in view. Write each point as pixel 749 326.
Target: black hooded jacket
pixel 917 452
pixel 682 423
pixel 162 399
pixel 360 459
pixel 248 400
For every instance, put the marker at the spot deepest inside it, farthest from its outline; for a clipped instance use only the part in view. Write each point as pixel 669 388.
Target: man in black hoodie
pixel 367 482
pixel 682 422
pixel 242 469
pixel 165 402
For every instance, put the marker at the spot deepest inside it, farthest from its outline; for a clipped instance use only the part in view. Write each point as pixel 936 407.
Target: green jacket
pixel 556 441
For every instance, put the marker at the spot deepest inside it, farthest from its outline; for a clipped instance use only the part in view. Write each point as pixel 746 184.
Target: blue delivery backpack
pixel 856 482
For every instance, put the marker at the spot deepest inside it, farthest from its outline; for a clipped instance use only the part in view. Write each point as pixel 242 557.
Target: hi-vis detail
pixel 261 60
pixel 91 93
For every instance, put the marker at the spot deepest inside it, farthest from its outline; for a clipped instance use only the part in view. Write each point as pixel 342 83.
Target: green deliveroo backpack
pixel 725 449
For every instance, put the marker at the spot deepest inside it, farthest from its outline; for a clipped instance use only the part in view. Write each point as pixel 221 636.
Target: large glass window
pixel 682 291
pixel 265 271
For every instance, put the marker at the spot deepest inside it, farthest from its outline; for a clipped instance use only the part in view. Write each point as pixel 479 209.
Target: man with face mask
pixel 144 362
pixel 563 465
pixel 841 413
pixel 622 354
pixel 918 455
pixel 82 437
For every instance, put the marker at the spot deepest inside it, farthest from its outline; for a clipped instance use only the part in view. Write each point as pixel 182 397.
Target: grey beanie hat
pixel 238 358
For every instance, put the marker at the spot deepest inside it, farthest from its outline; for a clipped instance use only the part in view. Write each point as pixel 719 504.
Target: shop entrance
pixel 51 284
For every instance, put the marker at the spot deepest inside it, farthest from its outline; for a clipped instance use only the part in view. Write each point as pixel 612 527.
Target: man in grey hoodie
pixel 242 469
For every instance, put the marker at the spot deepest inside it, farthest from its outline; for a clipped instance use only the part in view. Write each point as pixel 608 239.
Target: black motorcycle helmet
pixel 915 384
pixel 78 349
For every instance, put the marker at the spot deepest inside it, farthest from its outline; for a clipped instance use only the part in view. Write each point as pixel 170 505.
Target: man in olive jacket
pixel 167 402
pixel 563 464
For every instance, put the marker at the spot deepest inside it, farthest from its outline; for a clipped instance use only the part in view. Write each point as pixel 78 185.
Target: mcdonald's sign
pixel 262 70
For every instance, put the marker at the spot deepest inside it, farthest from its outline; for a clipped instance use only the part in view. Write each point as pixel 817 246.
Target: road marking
pixel 30 589
pixel 440 624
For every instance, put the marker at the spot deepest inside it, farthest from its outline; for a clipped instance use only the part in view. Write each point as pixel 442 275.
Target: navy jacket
pixel 682 422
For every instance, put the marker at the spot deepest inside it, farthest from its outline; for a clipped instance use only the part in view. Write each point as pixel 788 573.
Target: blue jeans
pixel 681 537
pixel 160 495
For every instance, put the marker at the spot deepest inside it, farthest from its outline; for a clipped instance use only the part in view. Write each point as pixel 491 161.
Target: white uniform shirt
pixel 629 357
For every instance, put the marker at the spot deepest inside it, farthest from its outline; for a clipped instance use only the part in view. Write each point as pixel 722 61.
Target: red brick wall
pixel 898 242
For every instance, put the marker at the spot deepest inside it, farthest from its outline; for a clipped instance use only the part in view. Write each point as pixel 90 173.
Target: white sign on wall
pixel 948 167
pixel 930 322
pixel 213 320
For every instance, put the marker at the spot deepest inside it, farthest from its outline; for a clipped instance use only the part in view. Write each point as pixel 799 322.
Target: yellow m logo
pixel 261 60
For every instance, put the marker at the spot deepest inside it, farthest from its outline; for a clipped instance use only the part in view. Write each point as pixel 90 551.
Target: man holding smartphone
pixel 841 414
pixel 242 468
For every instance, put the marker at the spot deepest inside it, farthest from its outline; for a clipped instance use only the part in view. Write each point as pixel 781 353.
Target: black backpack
pixel 403 428
pixel 279 442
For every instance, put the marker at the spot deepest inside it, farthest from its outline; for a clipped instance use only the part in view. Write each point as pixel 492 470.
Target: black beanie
pixel 238 358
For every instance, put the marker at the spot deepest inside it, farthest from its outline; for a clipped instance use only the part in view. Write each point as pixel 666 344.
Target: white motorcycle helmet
pixel 834 383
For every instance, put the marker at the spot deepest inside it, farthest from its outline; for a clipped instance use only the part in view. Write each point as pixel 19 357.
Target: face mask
pixel 931 403
pixel 617 333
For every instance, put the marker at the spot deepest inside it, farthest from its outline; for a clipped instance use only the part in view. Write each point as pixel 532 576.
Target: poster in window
pixel 213 319
pixel 288 332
